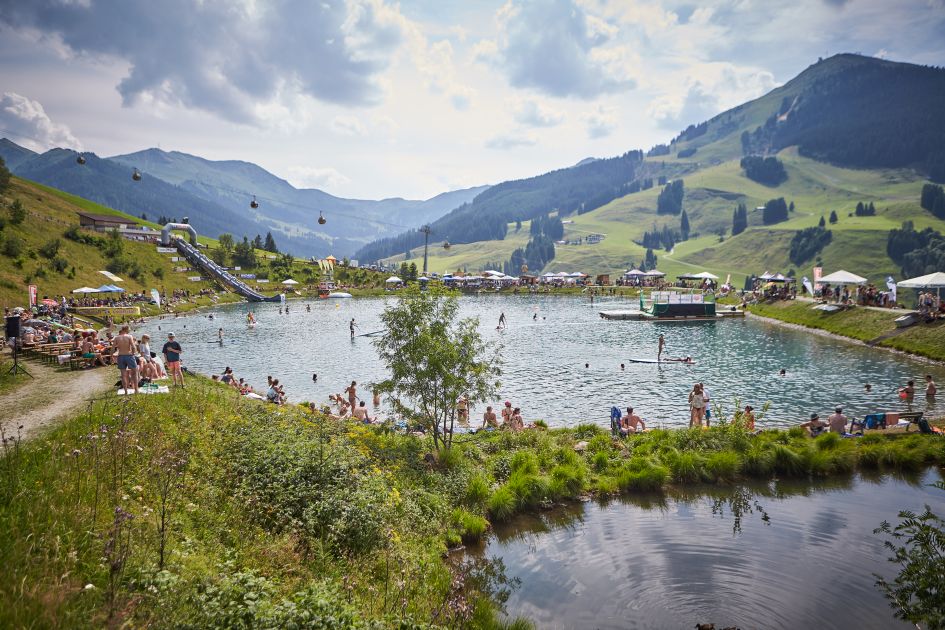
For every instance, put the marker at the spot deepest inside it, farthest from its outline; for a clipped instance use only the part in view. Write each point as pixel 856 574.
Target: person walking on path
pixel 127 362
pixel 171 352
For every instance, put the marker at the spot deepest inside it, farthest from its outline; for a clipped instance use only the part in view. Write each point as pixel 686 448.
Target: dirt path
pixel 37 403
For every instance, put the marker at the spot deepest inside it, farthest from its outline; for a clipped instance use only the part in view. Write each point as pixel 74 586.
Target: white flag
pixel 891 285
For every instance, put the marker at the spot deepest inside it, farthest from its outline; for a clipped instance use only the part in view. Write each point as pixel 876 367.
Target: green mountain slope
pixel 715 183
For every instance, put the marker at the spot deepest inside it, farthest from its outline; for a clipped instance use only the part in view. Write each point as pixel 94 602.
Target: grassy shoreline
pixel 861 324
pixel 272 516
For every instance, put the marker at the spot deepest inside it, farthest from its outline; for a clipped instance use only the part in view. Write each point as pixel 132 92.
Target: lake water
pixel 544 371
pixel 764 556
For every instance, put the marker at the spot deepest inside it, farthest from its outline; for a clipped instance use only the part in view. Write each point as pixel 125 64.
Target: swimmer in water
pixel 314 378
pixel 867 388
pixel 220 335
pixel 308 308
pixel 783 372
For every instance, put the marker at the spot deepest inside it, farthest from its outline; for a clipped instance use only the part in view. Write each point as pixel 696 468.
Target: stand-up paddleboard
pixel 664 361
pixel 371 334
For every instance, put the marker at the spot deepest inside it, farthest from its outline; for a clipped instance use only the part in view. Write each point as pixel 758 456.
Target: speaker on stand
pixel 12 333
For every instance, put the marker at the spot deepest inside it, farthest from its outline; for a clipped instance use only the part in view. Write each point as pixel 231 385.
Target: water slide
pixel 200 261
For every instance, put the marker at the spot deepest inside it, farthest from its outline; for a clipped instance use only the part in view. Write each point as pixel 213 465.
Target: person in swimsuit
pixel 815 426
pixel 502 322
pixel 352 391
pixel 749 417
pixel 696 406
pixel 507 414
pixel 360 412
pixel 351 327
pixel 631 423
pixel 127 362
pixel 462 410
pixel 171 352
pixel 930 388
pixel 489 420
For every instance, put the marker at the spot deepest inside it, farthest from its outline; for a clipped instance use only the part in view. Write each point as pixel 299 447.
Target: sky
pixel 373 99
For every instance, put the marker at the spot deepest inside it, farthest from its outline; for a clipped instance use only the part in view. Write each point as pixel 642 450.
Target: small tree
pixel 684 226
pixel 916 593
pixel 17 212
pixel 4 175
pixel 822 222
pixel 434 359
pixel 226 242
pixel 833 216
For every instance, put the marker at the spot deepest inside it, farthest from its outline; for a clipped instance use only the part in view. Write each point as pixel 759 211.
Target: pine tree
pixel 258 242
pixel 684 226
pixel 833 216
pixel 822 222
pixel 270 245
pixel 649 263
pixel 739 219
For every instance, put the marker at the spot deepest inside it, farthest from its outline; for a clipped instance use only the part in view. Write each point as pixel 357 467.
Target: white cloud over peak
pixel 511 141
pixel 601 122
pixel 314 177
pixel 25 122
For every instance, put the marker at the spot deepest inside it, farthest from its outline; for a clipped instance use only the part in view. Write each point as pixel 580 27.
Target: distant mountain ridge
pixel 216 196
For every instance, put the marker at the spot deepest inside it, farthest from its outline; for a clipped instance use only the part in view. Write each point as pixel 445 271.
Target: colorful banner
pixel 156 296
pixel 818 274
pixel 32 294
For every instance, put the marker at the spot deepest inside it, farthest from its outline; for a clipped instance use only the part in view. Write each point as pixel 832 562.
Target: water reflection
pixel 767 555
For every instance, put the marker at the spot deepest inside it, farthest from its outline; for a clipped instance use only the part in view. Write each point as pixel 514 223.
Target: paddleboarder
pixel 659 351
pixel 352 326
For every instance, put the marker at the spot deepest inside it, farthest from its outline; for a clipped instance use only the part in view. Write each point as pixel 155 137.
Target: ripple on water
pixel 544 369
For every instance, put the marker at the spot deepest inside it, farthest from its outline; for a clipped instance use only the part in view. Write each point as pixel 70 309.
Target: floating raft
pixel 635 315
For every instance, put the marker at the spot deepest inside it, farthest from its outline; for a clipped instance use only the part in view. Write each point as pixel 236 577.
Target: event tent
pixel 394 280
pixel 654 273
pixel 85 290
pixel 109 288
pixel 930 281
pixel 842 277
pixel 634 272
pixel 289 281
pixel 702 275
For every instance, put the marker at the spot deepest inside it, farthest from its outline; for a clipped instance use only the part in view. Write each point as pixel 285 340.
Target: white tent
pixel 842 277
pixel 85 290
pixel 931 281
pixel 654 273
pixel 702 275
pixel 576 274
pixel 289 281
pixel 634 272
pixel 393 280
pixel 423 279
pixel 765 276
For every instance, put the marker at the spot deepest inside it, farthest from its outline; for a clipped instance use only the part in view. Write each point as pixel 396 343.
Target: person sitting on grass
pixel 815 426
pixel 749 418
pixel 361 413
pixel 631 423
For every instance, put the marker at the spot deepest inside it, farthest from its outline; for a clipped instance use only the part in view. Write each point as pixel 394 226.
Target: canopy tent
pixel 633 273
pixel 654 273
pixel 289 281
pixel 780 278
pixel 702 275
pixel 394 280
pixel 842 277
pixel 85 290
pixel 109 288
pixel 930 281
pixel 766 276
pixel 423 279
pixel 576 274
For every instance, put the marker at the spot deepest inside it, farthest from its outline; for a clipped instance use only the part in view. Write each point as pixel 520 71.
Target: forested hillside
pixel 578 189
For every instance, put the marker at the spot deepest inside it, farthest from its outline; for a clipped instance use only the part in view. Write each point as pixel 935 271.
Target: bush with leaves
pixel 17 212
pixel 13 246
pixel 918 546
pixel 50 249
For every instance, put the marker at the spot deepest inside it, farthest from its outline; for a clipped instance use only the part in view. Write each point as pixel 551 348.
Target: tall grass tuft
pixel 503 503
pixel 471 526
pixel 786 462
pixel 723 466
pixel 758 461
pixel 477 491
pixel 524 462
pixel 686 467
pixel 567 480
pixel 642 476
pixel 600 461
pixel 827 441
pixel 529 490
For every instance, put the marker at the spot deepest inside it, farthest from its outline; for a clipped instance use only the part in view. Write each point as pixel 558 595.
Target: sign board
pixel 248 276
pixel 818 274
pixel 176 258
pixel 236 268
pixel 167 250
pixel 262 280
pixel 195 278
pixel 32 294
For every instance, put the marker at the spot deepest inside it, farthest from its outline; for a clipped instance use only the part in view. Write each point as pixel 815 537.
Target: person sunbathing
pixel 815 426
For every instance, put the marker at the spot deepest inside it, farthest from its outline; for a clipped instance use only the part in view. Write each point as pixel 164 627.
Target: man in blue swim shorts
pixel 127 362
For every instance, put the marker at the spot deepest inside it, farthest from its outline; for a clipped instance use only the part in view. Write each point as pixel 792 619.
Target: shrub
pixel 685 467
pixel 606 485
pixel 785 461
pixel 723 466
pixel 567 456
pixel 524 462
pixel 567 480
pixel 471 526
pixel 13 246
pixel 17 212
pixel 758 461
pixel 158 273
pixel 587 430
pixel 599 443
pixel 600 461
pixel 827 441
pixel 60 264
pixel 449 458
pixel 529 490
pixel 477 491
pixel 50 249
pixel 502 504
pixel 642 476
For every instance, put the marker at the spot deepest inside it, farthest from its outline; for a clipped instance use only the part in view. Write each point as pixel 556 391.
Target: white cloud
pixel 25 121
pixel 535 114
pixel 601 122
pixel 348 126
pixel 314 177
pixel 511 141
pixel 558 48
